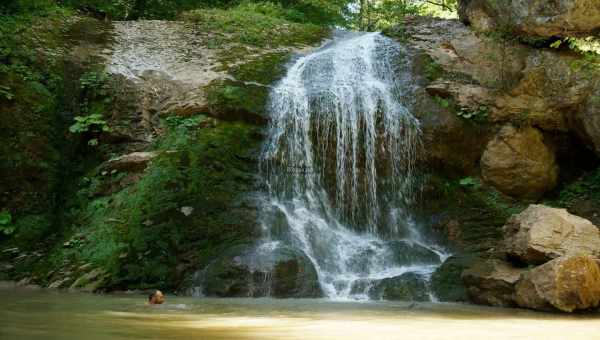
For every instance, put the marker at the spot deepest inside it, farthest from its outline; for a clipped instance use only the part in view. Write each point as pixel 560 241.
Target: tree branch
pixel 441 4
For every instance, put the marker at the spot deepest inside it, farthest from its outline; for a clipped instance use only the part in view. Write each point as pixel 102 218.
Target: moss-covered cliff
pixel 156 175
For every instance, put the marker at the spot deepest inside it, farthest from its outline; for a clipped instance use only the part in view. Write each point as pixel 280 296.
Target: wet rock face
pixel 244 271
pixel 540 234
pixel 519 163
pixel 540 18
pixel 567 283
pixel 492 282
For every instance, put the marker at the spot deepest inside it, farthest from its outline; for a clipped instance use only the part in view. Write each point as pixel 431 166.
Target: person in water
pixel 156 298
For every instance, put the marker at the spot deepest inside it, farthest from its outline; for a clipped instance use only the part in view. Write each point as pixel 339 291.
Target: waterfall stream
pixel 340 165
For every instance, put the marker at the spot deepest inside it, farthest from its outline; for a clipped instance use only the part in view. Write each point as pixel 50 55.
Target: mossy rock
pixel 250 271
pixel 446 281
pixel 232 100
pixel 406 287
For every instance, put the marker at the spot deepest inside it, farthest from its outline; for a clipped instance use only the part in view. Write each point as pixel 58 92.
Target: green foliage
pixel 31 229
pixel 25 6
pixel 91 123
pixel 433 70
pixel 239 26
pixel 6 225
pixel 439 8
pixel 588 48
pixel 442 102
pixel 479 115
pixel 585 188
pixel 177 122
pixel 6 92
pixel 376 15
pixel 469 182
pixel 138 233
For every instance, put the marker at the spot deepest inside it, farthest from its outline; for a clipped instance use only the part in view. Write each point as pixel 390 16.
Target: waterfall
pixel 340 165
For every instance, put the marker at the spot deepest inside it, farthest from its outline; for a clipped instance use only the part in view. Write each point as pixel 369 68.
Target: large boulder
pixel 519 163
pixel 540 234
pixel 267 270
pixel 492 282
pixel 539 18
pixel 568 283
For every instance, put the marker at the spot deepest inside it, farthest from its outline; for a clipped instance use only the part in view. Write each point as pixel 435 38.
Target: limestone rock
pixel 519 163
pixel 540 234
pixel 567 283
pixel 492 282
pixel 539 18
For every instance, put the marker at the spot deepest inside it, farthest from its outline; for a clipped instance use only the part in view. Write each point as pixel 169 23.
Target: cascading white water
pixel 340 165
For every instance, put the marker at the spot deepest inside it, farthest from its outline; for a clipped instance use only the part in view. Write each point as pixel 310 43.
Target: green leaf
pixel 556 44
pixel 5 218
pixel 8 230
pixel 468 182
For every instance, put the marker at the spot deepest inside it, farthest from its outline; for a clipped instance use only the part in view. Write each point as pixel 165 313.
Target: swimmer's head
pixel 156 298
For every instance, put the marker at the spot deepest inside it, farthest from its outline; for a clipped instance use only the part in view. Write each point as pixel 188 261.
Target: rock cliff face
pixel 533 17
pixel 166 184
pixel 505 123
pixel 476 83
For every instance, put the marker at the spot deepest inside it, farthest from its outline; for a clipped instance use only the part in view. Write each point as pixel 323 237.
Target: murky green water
pixel 37 314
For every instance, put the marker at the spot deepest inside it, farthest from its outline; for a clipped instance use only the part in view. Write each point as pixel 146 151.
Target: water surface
pixel 39 314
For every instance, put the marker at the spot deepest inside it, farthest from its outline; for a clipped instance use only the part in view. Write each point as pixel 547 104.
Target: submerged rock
pixel 568 283
pixel 243 271
pixel 492 282
pixel 519 163
pixel 541 233
pixel 540 18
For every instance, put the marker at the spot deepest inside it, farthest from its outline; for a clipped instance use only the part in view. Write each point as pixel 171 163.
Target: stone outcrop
pixel 567 283
pixel 564 250
pixel 540 234
pixel 492 282
pixel 539 18
pixel 519 163
pixel 135 161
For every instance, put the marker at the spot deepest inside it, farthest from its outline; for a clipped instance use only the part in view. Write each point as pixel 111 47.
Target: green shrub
pixel 92 123
pixel 32 229
pixel 6 225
